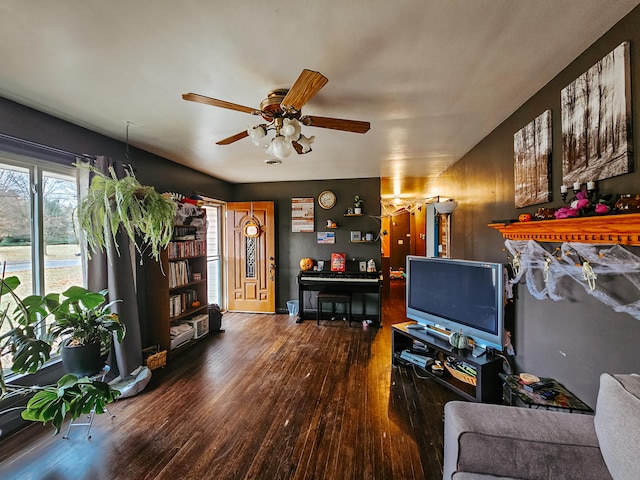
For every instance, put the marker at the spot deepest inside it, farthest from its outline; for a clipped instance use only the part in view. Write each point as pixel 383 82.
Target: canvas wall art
pixel 596 121
pixel 532 162
pixel 302 215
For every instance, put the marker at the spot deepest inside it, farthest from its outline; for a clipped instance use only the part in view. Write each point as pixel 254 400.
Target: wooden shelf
pixel 187 313
pixel 354 214
pixel 176 259
pixel 189 284
pixel 622 229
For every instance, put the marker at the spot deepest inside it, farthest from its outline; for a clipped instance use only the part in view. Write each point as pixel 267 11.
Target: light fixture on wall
pixel 398 205
pixel 446 207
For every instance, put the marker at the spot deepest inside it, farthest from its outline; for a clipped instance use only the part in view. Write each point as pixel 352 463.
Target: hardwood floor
pixel 267 399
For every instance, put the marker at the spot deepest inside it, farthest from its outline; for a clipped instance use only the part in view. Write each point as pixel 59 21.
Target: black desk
pixel 352 282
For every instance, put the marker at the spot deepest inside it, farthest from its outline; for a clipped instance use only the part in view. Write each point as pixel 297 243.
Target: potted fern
pixel 113 204
pixel 82 314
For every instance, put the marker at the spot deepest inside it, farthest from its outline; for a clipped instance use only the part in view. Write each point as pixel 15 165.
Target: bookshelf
pixel 176 287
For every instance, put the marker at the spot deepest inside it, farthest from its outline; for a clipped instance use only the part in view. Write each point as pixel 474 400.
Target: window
pixel 214 254
pixel 37 238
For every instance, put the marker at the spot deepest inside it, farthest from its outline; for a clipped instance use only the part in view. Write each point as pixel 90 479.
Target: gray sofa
pixel 500 442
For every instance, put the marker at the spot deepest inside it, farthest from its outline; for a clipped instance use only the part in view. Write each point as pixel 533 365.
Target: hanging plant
pixel 111 204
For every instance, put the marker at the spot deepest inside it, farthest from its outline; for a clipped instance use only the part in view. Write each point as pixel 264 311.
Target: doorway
pixel 250 233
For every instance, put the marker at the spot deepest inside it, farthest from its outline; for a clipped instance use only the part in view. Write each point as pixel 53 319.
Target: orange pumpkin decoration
pixel 195 304
pixel 524 217
pixel 306 264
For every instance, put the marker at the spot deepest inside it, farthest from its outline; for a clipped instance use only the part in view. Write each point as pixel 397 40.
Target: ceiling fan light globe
pixel 306 142
pixel 280 147
pixel 256 133
pixel 288 130
pixel 291 129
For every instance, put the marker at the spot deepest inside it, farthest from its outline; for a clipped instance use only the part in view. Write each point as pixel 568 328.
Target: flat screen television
pixel 456 295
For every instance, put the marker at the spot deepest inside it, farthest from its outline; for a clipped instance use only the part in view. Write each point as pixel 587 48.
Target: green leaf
pixel 8 284
pixel 68 380
pixel 31 353
pixel 70 396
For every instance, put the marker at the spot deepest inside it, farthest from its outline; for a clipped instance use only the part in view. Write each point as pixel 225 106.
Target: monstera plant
pixel 80 314
pixel 115 204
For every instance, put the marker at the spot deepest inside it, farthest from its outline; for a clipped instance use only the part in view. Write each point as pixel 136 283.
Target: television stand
pixel 478 352
pixel 488 388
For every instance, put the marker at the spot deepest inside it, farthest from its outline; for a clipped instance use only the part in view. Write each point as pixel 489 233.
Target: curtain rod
pixel 22 144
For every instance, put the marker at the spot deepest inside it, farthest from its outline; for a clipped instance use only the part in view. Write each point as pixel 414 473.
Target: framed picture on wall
pixel 532 162
pixel 302 214
pixel 326 237
pixel 597 139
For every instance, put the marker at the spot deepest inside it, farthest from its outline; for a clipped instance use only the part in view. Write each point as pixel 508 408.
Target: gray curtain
pixel 118 276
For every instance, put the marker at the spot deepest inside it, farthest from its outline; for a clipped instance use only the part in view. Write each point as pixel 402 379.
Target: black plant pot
pixel 82 360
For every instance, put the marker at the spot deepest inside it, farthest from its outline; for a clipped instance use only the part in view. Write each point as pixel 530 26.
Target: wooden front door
pixel 251 257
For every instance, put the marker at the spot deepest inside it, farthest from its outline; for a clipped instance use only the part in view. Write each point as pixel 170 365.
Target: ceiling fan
pixel 282 110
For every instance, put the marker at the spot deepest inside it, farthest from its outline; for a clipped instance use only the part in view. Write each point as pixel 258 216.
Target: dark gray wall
pixel 574 340
pixel 27 124
pixel 291 247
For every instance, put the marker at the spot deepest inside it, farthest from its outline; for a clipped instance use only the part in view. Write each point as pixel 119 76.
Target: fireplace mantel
pixel 622 229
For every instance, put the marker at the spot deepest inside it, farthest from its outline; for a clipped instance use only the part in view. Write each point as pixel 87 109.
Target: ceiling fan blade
pixel 307 85
pixel 233 138
pixel 194 97
pixel 354 126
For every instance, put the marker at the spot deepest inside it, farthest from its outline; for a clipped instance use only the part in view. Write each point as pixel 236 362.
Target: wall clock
pixel 327 199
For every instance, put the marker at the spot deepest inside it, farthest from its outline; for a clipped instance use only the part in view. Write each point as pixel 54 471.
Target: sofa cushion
pixel 515 442
pixel 617 424
pixel 478 476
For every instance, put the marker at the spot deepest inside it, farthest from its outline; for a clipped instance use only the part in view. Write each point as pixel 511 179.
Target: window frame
pixel 219 257
pixel 37 170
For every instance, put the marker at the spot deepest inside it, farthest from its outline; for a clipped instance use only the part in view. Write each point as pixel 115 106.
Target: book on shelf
pixel 179 273
pixel 175 305
pixel 182 302
pixel 187 248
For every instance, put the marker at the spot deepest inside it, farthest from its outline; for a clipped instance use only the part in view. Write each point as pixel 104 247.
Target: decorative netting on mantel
pixel 609 273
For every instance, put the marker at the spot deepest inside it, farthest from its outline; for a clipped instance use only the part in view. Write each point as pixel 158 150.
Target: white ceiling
pixel 432 76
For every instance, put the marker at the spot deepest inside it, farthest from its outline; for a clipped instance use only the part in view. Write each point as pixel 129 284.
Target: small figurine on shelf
pixel 357 204
pixel 628 203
